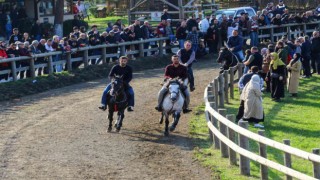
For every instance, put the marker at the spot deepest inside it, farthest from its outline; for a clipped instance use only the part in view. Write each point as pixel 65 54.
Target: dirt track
pixel 61 134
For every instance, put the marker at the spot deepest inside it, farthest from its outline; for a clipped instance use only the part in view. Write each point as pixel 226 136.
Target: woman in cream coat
pixel 252 97
pixel 294 68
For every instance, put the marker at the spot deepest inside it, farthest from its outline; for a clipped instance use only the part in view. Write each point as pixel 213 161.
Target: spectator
pixel 83 41
pixel 76 32
pixel 111 39
pixel 15 36
pixel 23 51
pixel 224 29
pixel 253 31
pixel 42 48
pixel 35 50
pixel 154 44
pixel 282 52
pixel 186 58
pixel 145 28
pixel 255 59
pixel 252 97
pixel 165 15
pixel 294 68
pixel 181 33
pixel 170 33
pixel 116 31
pixel 109 27
pixel 3 66
pixel 277 22
pixel 281 7
pixel 93 41
pixel 265 52
pixel 315 52
pixel 138 34
pixel 306 56
pixel 26 38
pixel 276 76
pixel 36 31
pixel 191 22
pixel 94 31
pixel 193 37
pixel 213 37
pixel 161 28
pixel 119 24
pixel 8 25
pixel 204 25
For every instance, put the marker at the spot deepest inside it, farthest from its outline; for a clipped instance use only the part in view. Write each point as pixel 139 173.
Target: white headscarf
pixel 254 83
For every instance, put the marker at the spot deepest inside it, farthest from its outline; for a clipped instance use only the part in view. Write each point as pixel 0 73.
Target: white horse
pixel 172 104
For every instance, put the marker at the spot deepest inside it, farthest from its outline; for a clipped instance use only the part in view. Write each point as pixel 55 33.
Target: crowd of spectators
pixel 203 33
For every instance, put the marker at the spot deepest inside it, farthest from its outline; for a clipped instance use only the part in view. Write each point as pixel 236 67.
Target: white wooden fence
pixel 222 130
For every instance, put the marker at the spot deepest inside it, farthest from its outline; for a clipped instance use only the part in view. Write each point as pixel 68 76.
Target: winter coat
pixel 293 76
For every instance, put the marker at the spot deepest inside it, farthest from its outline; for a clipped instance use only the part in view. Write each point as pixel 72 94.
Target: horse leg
pixel 166 130
pixel 110 117
pixel 120 119
pixel 161 118
pixel 175 121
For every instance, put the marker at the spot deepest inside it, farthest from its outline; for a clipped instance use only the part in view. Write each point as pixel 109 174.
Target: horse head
pixel 174 89
pixel 116 85
pixel 224 55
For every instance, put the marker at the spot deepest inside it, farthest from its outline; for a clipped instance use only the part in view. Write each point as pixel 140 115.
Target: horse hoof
pixel 118 129
pixel 172 128
pixel 160 121
pixel 166 133
pixel 109 129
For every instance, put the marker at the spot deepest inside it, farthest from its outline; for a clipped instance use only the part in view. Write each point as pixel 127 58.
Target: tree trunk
pixel 58 18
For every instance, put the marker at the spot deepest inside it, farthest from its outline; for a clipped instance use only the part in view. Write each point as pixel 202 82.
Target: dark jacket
pixel 315 44
pixel 306 49
pixel 125 72
pixel 235 42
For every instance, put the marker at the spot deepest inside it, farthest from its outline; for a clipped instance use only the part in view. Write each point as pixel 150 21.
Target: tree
pixel 58 17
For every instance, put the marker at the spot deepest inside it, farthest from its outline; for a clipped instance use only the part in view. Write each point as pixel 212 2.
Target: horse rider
pixel 121 69
pixel 235 43
pixel 174 70
pixel 186 58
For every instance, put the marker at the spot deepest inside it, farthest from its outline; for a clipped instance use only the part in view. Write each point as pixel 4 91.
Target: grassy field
pixel 296 119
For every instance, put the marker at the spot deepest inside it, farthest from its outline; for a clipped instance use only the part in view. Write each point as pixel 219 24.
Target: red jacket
pixel 4 55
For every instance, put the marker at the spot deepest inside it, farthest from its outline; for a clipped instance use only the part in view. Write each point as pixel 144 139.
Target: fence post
pixel 240 70
pixel 223 130
pixel 50 66
pixel 69 63
pixel 231 82
pixel 244 143
pixel 104 55
pixel 263 153
pixel 221 91
pixel 14 70
pixel 216 92
pixel 226 85
pixel 32 69
pixel 210 100
pixel 85 58
pixel 287 158
pixel 141 53
pixel 161 48
pixel 122 50
pixel 316 166
pixel 231 136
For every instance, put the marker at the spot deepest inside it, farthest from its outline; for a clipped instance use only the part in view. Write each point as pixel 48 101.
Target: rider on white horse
pixel 175 70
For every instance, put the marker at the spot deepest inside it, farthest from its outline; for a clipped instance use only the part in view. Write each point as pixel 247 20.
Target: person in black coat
pixel 15 36
pixel 315 52
pixel 306 56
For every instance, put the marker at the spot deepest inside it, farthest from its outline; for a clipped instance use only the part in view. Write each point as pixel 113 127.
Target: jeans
pixel 239 55
pixel 181 43
pixel 129 91
pixel 254 38
pixel 172 38
pixel 57 67
pixel 191 77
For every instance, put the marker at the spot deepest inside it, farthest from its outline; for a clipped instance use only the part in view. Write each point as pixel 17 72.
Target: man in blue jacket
pixel 235 43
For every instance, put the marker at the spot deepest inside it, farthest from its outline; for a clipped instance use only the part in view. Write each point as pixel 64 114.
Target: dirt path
pixel 60 134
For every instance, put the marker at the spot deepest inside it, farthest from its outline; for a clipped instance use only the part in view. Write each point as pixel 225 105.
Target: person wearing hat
pixel 125 71
pixel 15 36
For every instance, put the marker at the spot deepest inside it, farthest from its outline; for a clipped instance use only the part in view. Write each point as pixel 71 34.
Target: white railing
pixel 223 131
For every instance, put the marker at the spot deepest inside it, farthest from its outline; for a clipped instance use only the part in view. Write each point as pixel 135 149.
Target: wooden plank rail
pixel 103 47
pixel 219 124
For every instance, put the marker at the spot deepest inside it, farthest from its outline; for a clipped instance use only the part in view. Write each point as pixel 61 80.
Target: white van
pixel 235 12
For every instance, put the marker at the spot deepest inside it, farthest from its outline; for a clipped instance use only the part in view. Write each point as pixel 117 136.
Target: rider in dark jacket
pixel 122 69
pixel 174 70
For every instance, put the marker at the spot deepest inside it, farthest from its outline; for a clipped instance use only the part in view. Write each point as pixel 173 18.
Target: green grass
pixel 102 22
pixel 296 119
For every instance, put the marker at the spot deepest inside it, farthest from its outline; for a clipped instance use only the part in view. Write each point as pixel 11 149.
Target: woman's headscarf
pixel 296 59
pixel 254 83
pixel 275 62
pixel 264 51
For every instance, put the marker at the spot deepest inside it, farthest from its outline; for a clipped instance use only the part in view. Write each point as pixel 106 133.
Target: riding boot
pixel 186 102
pixel 162 92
